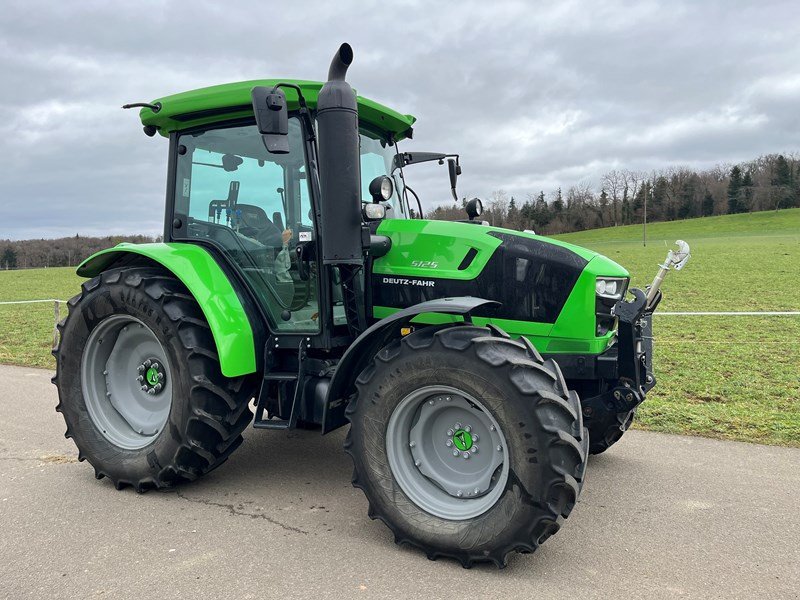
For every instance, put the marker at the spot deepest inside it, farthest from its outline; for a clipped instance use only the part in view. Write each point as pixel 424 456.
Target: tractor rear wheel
pixel 140 385
pixel 466 444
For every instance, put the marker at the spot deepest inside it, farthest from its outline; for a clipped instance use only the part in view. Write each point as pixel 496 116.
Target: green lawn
pixel 728 377
pixel 26 330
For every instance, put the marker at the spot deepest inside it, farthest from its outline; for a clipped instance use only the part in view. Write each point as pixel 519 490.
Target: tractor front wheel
pixel 140 385
pixel 606 428
pixel 466 444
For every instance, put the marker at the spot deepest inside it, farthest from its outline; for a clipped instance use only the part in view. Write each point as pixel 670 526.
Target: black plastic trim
pixel 364 348
pixel 211 112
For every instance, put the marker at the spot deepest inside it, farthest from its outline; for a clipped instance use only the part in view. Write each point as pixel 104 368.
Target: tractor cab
pixel 261 209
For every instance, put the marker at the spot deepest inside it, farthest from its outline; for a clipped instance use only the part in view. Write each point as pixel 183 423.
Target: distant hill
pixel 622 197
pixel 769 223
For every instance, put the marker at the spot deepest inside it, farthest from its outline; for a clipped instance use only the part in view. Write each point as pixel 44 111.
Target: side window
pixel 376 159
pixel 305 200
pixel 255 207
pixel 251 184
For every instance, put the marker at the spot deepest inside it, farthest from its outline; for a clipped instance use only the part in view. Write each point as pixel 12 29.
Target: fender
pixel 366 345
pixel 200 273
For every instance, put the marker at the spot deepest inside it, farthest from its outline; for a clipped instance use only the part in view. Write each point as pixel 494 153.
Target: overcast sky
pixel 531 96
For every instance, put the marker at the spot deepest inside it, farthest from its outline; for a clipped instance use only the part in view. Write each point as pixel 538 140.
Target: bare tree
pixel 498 207
pixel 614 183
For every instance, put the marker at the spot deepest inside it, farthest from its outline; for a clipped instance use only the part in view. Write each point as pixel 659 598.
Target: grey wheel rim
pixel 447 453
pixel 126 382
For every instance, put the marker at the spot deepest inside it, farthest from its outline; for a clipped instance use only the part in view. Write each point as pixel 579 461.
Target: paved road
pixel 660 517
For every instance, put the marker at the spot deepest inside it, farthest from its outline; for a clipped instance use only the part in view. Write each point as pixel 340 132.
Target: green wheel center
pixel 152 376
pixel 462 439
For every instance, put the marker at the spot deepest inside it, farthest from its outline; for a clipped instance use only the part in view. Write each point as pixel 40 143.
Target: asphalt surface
pixel 660 517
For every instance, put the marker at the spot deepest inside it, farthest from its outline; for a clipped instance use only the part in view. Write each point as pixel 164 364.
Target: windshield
pixel 376 159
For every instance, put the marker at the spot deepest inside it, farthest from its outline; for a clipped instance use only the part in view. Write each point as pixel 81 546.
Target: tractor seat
pixel 256 224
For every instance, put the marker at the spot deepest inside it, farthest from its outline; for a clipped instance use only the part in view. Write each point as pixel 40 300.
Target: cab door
pixel 256 208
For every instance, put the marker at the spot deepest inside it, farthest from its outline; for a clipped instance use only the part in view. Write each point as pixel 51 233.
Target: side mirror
pixel 272 118
pixel 374 211
pixel 454 170
pixel 474 208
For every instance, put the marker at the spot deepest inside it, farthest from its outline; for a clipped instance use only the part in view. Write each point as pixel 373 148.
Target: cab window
pixel 256 207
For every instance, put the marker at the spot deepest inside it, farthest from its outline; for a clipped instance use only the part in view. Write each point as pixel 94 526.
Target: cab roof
pixel 232 100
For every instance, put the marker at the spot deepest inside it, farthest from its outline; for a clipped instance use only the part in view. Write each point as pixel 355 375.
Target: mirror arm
pixel 403 159
pixel 305 114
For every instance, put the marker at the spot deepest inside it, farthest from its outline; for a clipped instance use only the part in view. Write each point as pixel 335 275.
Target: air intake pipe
pixel 339 165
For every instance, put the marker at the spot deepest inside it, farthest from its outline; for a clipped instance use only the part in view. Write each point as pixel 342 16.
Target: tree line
pixel 61 252
pixel 770 182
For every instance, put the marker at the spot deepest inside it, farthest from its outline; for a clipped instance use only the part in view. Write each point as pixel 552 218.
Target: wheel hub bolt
pixel 474 449
pixel 468 429
pixel 475 437
pixel 465 455
pixel 450 432
pixel 455 452
pixel 448 443
pixel 458 425
pixel 151 376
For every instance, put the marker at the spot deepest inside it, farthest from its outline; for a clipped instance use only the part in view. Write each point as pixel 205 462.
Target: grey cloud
pixel 531 96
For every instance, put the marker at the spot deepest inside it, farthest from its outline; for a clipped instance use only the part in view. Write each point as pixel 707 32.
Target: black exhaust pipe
pixel 343 59
pixel 340 185
pixel 339 165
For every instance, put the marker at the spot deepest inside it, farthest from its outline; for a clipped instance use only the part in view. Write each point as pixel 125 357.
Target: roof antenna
pixel 154 107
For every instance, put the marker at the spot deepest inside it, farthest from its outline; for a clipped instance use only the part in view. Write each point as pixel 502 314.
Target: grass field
pixel 26 330
pixel 728 377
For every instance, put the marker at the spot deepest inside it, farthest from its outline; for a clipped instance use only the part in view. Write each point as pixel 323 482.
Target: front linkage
pixel 632 356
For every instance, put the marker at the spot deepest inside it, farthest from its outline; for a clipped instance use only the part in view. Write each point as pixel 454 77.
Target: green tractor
pixel 477 367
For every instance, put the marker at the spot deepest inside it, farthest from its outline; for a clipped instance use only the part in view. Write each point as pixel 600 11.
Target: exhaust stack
pixel 339 165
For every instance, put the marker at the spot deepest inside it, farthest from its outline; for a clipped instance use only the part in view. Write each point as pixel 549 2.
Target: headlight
pixel 610 287
pixel 381 188
pixel 609 290
pixel 386 188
